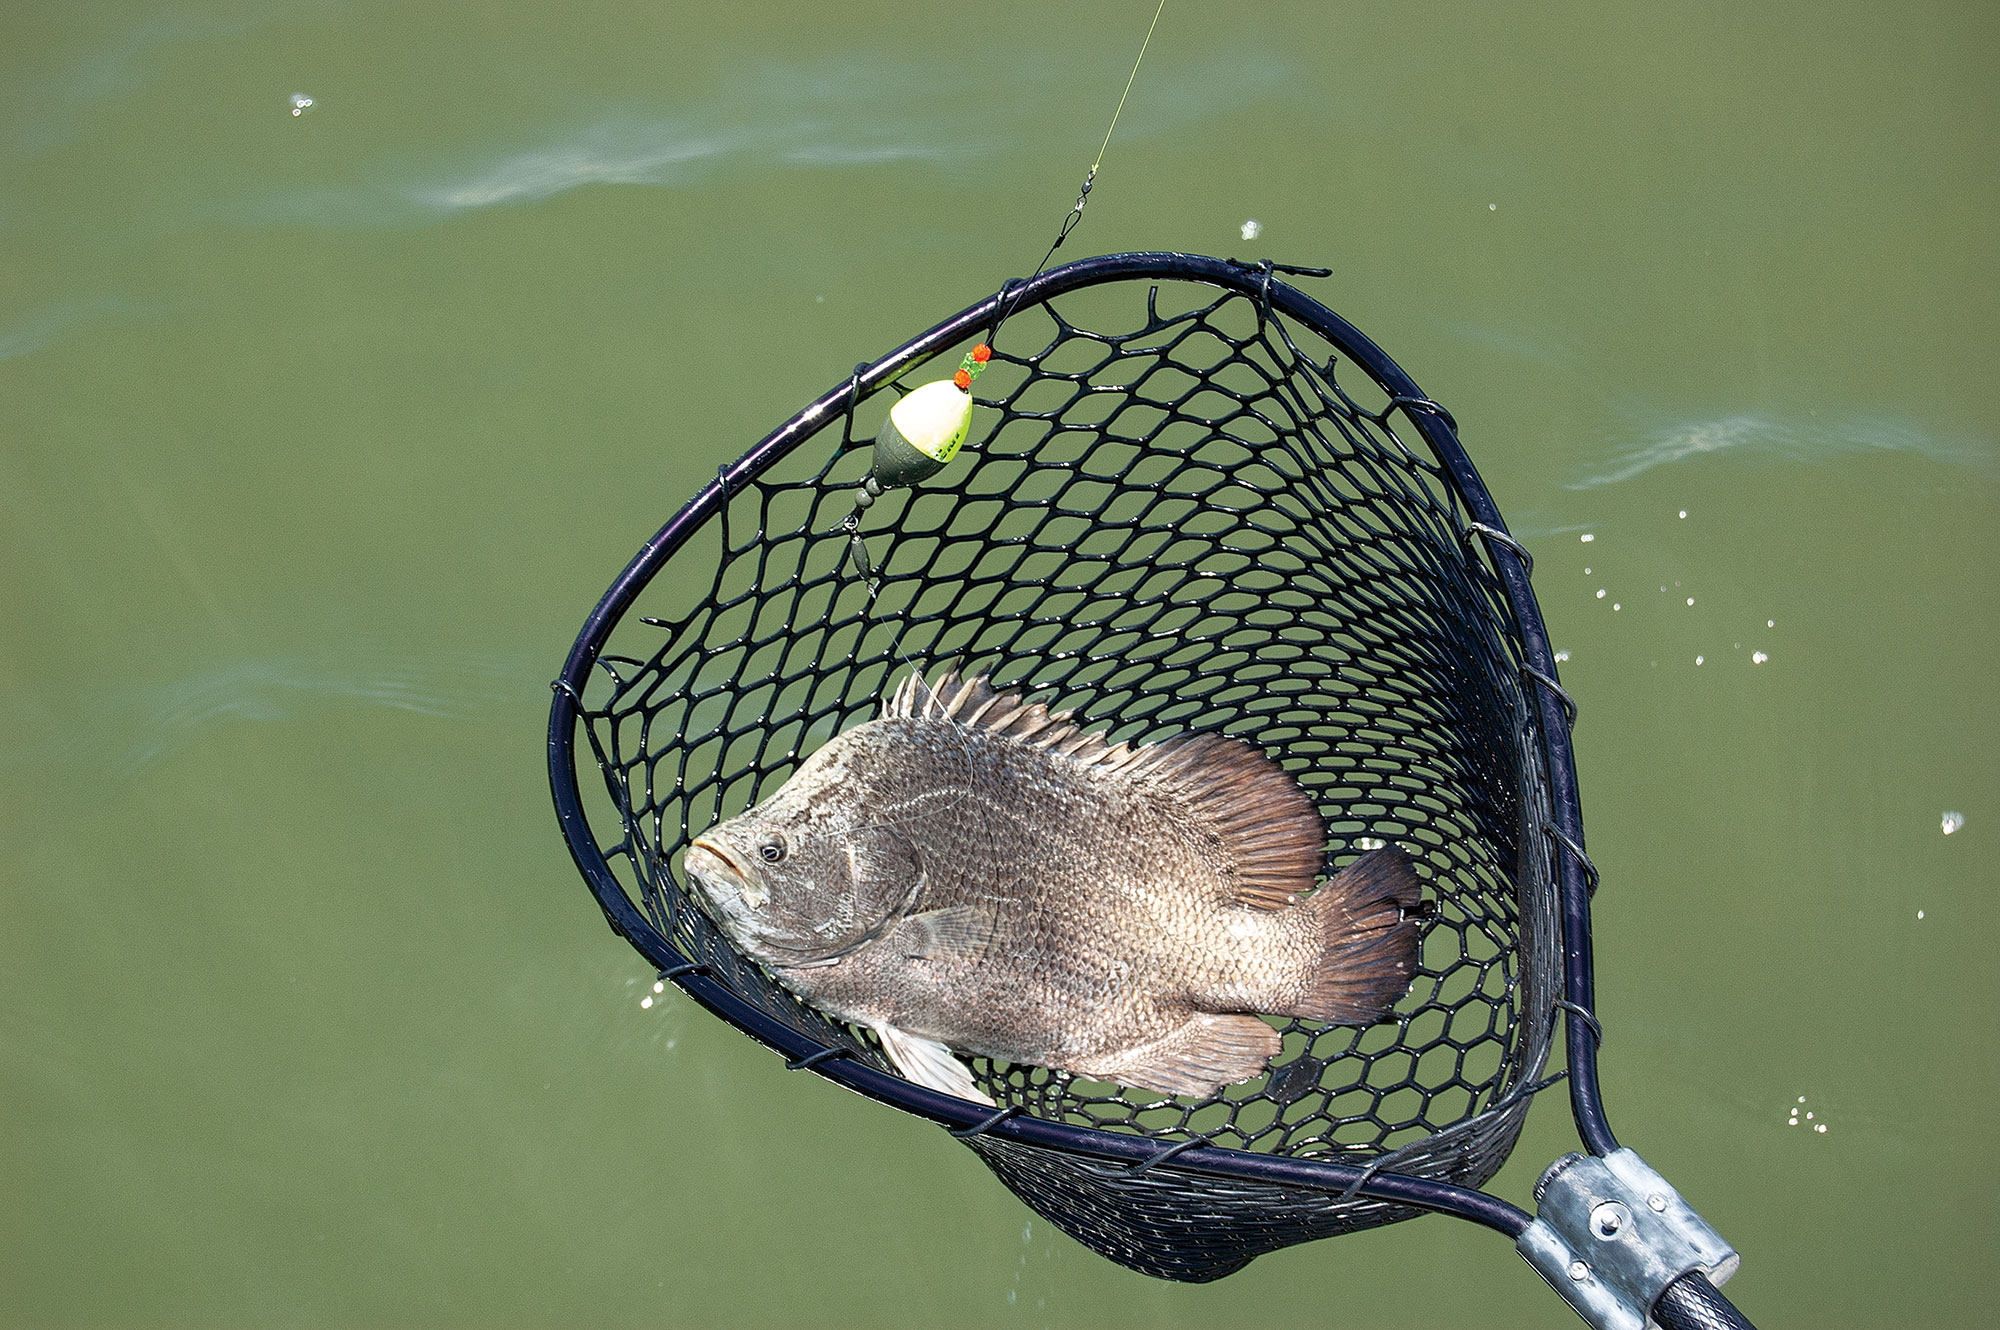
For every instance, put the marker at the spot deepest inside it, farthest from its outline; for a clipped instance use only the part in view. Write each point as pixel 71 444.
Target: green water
pixel 319 435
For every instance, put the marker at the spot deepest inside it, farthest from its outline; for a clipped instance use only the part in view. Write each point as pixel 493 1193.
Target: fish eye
pixel 772 849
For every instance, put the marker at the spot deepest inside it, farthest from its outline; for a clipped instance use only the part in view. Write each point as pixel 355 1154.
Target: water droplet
pixel 1252 229
pixel 1493 207
pixel 659 985
pixel 1684 512
pixel 1589 536
pixel 1600 593
pixel 301 103
pixel 1616 606
pixel 1697 660
pixel 1690 600
pixel 1758 658
pixel 645 1002
pixel 1562 656
pixel 1920 914
pixel 1952 822
pixel 1821 1128
pixel 1770 623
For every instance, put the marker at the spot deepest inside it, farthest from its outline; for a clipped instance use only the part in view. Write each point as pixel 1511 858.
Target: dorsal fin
pixel 1275 838
pixel 976 704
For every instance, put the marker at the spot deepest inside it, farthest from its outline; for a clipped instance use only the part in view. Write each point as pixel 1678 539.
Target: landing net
pixel 1193 499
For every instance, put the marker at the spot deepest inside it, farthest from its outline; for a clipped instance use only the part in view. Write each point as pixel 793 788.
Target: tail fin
pixel 1369 951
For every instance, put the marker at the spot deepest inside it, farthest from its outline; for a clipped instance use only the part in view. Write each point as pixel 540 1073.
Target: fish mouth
pixel 722 867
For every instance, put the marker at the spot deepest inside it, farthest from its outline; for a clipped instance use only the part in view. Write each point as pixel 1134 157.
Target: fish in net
pixel 1192 499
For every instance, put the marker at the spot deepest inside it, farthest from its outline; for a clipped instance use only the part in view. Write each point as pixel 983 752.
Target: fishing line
pixel 926 427
pixel 1075 214
pixel 921 444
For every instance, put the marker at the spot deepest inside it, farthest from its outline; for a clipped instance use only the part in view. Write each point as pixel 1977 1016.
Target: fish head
pixel 810 875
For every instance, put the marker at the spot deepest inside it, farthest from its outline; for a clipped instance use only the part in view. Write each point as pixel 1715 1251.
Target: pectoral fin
pixel 1199 1058
pixel 958 932
pixel 928 1063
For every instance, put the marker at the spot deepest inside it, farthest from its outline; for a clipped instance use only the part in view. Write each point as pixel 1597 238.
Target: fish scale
pixel 1124 913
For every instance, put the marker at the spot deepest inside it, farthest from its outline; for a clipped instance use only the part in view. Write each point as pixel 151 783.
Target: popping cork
pixel 923 432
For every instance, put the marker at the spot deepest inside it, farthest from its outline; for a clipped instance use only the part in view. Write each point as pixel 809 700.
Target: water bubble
pixel 1952 822
pixel 301 103
pixel 1697 660
pixel 659 985
pixel 1690 600
pixel 1588 537
pixel 1920 914
pixel 1562 656
pixel 645 1002
pixel 1616 606
pixel 1758 657
pixel 1493 207
pixel 1821 1128
pixel 1252 229
pixel 1600 593
pixel 1684 513
pixel 1770 623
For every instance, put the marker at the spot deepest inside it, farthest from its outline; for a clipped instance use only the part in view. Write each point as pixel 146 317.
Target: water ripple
pixel 53 322
pixel 140 725
pixel 1758 434
pixel 836 112
pixel 443 684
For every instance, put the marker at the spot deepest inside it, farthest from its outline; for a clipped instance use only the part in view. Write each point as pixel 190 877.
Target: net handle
pixel 1693 1303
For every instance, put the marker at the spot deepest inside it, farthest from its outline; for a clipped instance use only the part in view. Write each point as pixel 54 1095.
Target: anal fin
pixel 1199 1058
pixel 928 1063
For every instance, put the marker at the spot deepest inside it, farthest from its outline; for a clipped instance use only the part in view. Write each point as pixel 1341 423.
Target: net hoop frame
pixel 1575 878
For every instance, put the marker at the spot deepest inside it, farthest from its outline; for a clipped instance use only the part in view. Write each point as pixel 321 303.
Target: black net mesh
pixel 1178 510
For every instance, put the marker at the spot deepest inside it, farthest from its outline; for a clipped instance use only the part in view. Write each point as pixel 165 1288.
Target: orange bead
pixel 963 379
pixel 982 353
